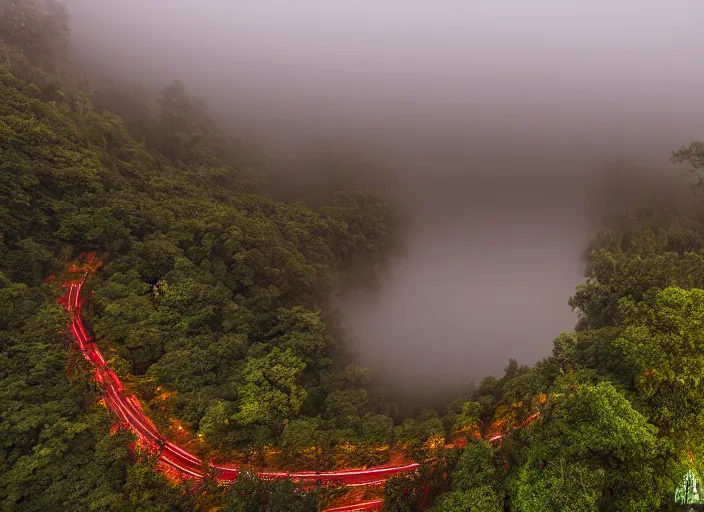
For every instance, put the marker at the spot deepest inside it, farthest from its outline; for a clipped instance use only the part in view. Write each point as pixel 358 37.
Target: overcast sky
pixel 499 118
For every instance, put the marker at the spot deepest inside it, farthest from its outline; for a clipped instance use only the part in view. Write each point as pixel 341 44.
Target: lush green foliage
pixel 621 420
pixel 212 306
pixel 211 290
pixel 249 494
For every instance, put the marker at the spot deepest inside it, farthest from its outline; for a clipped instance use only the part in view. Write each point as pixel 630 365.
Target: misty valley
pixel 372 257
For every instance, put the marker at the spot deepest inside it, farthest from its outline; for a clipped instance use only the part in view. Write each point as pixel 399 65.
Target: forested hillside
pixel 620 399
pixel 209 302
pixel 213 308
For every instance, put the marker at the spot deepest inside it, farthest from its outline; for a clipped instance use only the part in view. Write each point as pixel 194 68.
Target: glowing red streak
pixel 133 420
pixel 129 410
pixel 528 420
pixel 363 505
pixel 378 482
pixel 350 475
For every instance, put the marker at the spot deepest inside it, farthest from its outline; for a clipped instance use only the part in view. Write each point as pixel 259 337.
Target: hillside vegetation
pixel 213 306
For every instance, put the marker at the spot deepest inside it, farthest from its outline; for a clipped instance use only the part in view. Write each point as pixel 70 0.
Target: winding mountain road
pixel 129 410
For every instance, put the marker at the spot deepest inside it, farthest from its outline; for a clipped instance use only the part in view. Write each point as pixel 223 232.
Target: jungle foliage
pixel 213 303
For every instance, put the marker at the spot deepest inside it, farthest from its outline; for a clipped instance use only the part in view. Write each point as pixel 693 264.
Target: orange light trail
pixel 130 411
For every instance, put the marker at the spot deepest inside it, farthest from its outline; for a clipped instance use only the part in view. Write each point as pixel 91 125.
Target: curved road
pixel 130 411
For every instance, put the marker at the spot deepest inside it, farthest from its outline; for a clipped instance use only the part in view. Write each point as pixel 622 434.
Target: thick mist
pixel 503 124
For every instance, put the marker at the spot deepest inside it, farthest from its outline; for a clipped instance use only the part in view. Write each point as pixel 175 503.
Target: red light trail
pixel 362 505
pixel 130 411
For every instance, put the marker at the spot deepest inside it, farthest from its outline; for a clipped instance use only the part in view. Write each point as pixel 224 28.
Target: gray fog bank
pixel 503 123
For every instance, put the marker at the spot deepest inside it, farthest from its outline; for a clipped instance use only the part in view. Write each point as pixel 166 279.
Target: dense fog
pixel 505 125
